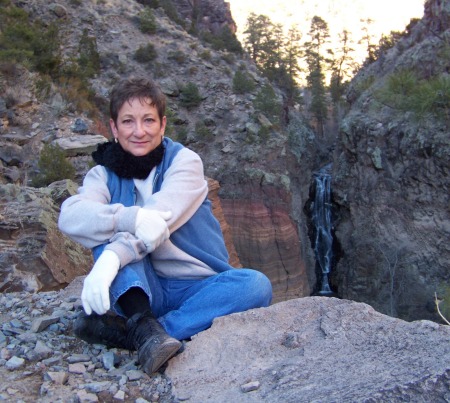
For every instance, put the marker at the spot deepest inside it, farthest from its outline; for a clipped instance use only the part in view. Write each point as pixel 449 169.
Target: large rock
pixel 34 255
pixel 80 144
pixel 314 349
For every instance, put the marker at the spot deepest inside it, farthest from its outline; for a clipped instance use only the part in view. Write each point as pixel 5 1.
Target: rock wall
pixel 391 181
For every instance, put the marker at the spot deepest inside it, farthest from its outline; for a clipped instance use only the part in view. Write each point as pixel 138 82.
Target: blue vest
pixel 201 237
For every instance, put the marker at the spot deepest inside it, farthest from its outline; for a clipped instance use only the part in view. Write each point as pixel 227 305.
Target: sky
pixel 387 15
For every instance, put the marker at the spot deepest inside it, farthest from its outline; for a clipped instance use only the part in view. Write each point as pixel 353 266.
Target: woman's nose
pixel 139 129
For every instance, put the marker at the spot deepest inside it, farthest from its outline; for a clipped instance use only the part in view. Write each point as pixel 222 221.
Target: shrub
pixel 224 40
pixel 433 96
pixel 403 91
pixel 36 45
pixel 89 59
pixel 203 131
pixel 243 83
pixel 150 3
pixel 267 103
pixel 53 166
pixel 147 21
pixel 177 55
pixel 145 54
pixel 190 96
pixel 171 12
pixel 181 135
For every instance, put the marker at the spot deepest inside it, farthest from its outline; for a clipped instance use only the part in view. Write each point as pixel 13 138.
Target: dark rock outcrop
pixel 208 15
pixel 391 182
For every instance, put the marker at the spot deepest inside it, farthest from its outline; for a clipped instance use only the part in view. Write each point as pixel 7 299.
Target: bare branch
pixel 439 311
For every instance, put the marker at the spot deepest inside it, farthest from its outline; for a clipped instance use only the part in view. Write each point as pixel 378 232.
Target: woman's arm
pixel 89 219
pixel 183 189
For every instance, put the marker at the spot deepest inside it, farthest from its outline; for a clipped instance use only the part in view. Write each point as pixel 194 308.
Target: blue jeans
pixel 186 307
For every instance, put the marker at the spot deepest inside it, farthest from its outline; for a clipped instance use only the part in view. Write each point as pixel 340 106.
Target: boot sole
pixel 153 355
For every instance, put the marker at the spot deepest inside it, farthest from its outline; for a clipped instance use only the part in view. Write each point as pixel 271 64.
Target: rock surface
pixel 314 349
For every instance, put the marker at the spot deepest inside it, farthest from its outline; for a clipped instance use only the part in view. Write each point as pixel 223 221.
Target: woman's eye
pixel 126 121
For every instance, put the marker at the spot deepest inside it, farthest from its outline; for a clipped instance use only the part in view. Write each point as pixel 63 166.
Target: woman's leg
pixel 136 293
pixel 192 305
pixel 136 288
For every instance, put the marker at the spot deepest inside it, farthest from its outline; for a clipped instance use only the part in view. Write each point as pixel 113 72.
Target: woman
pixel 160 257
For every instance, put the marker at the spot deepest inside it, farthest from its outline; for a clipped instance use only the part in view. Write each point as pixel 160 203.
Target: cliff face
pixel 391 179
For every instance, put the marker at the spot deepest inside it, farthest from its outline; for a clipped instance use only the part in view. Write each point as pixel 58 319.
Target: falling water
pixel 321 220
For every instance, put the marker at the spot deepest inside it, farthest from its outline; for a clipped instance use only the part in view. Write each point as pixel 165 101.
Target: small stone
pixel 77 368
pixel 120 395
pixel 110 360
pixel 250 386
pixel 42 350
pixel 52 361
pixel 16 323
pixel 42 323
pixel 28 337
pixel 84 397
pixel 14 363
pixel 5 354
pixel 97 387
pixel 60 378
pixel 134 374
pixel 74 358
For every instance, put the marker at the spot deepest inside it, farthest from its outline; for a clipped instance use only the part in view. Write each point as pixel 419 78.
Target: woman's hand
pixel 95 294
pixel 152 228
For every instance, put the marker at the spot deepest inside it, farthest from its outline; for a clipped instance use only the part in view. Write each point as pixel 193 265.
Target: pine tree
pixel 315 59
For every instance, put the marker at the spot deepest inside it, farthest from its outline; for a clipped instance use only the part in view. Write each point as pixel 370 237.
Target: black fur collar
pixel 111 155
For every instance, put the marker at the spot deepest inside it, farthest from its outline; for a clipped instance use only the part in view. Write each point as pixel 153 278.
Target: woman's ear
pixel 163 125
pixel 113 127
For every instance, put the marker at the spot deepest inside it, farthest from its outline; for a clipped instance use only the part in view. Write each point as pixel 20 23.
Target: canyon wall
pixel 391 179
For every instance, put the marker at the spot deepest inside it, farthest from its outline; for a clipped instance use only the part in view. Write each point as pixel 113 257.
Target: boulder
pixel 35 255
pixel 314 349
pixel 80 144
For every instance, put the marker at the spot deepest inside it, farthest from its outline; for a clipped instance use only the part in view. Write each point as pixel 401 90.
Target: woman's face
pixel 139 129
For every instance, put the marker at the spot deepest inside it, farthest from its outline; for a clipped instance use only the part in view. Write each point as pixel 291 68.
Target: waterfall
pixel 321 220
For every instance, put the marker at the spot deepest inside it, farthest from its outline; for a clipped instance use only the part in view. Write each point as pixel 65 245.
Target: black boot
pixel 155 347
pixel 102 329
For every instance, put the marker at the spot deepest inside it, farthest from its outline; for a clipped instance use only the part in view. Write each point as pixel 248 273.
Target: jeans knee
pixel 259 286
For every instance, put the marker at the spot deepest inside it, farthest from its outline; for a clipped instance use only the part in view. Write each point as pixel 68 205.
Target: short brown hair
pixel 140 88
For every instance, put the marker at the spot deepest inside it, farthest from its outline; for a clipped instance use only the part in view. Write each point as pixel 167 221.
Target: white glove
pixel 95 294
pixel 151 227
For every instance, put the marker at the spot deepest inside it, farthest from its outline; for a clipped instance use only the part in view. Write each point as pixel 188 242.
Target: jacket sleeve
pixel 127 247
pixel 183 189
pixel 89 219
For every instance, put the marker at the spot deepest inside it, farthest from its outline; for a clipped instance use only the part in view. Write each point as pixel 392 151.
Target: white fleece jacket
pixel 91 220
